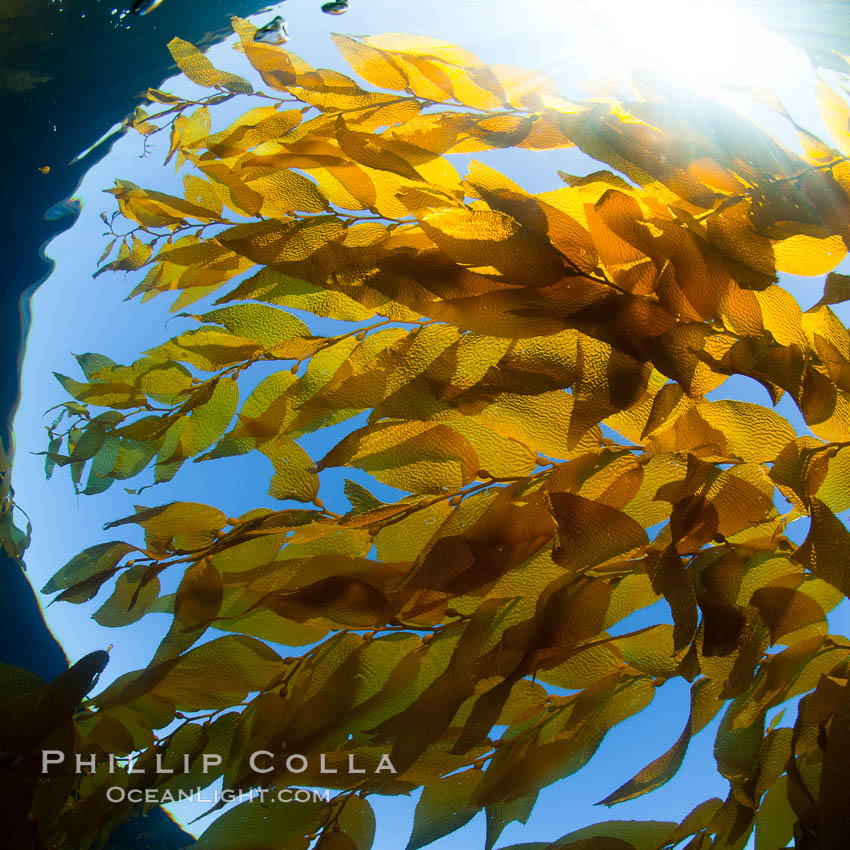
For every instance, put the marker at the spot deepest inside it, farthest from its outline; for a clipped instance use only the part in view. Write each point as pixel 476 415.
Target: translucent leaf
pixel 130 599
pixel 29 718
pixel 257 322
pixel 590 533
pixel 188 523
pixel 826 549
pixel 200 70
pixel 217 674
pixel 641 835
pixel 419 457
pixel 284 192
pixel 102 558
pixel 295 476
pixel 375 66
pixel 775 820
pixel 833 798
pixel 271 827
pixel 358 821
pixel 836 115
pixel 445 805
pixel 196 604
pixel 705 703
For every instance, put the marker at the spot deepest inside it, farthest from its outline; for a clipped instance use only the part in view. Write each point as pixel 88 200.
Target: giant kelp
pixel 536 370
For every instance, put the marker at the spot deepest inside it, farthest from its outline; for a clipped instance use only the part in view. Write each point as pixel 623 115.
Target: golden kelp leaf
pixel 208 420
pixel 833 820
pixel 650 651
pixel 776 819
pixel 785 610
pixel 157 209
pixel 38 712
pixel 255 127
pixel 330 91
pixel 799 470
pixel 131 256
pixel 265 325
pixel 530 765
pixel 220 673
pixel 835 114
pixel 192 253
pixel 208 350
pixel 200 70
pixel 232 189
pixel 803 254
pixel 620 835
pixel 414 45
pixel 488 226
pixel 337 841
pixel 284 191
pixel 277 67
pixel 670 579
pixel 341 600
pixel 467 236
pixel 535 377
pixel 420 457
pixel 357 819
pixel 186 132
pixel 832 491
pixel 274 241
pixel 201 192
pixel 502 457
pixel 276 288
pixel 435 69
pixel 375 66
pixel 101 393
pixel 389 115
pixel 376 152
pixel 189 525
pixel 294 473
pixel 751 432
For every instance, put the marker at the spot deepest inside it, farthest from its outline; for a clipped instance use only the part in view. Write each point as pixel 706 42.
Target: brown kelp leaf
pixel 196 603
pixel 705 704
pixel 94 561
pixel 826 549
pixel 785 610
pixel 671 579
pixel 836 290
pixel 29 718
pixel 590 533
pixel 833 820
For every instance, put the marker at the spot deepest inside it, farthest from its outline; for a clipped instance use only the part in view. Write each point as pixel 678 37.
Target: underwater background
pixel 70 72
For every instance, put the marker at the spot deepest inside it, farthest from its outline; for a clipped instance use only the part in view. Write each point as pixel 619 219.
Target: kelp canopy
pixel 535 371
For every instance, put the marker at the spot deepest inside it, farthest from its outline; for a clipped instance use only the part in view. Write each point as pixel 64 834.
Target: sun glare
pixel 703 45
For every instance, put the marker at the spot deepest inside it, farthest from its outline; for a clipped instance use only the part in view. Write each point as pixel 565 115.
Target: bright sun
pixel 703 44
